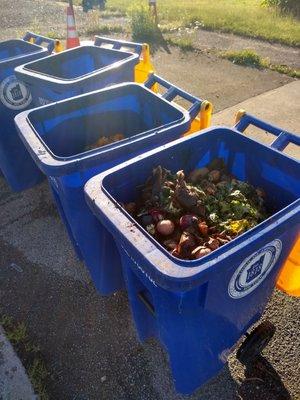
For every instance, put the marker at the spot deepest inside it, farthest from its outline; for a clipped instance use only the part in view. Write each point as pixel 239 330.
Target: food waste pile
pixel 105 140
pixel 192 215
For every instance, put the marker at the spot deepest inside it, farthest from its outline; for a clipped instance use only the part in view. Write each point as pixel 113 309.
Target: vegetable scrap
pixel 192 215
pixel 105 140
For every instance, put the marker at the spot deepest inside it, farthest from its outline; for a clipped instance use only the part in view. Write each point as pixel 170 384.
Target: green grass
pixel 250 58
pixel 75 2
pixel 55 35
pixel 94 26
pixel 244 17
pixel 38 373
pixel 246 57
pixel 143 27
pixel 104 29
pixel 184 43
pixel 285 69
pixel 109 14
pixel 28 352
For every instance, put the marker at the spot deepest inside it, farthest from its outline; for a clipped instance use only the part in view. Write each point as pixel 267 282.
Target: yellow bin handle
pixel 289 277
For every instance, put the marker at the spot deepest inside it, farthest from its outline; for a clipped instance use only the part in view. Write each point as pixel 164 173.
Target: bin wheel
pixel 255 342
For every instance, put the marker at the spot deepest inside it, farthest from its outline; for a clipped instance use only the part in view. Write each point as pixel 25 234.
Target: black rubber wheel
pixel 255 342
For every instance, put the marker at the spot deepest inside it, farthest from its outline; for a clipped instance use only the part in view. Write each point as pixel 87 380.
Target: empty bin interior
pixel 246 159
pixel 77 62
pixel 71 127
pixel 14 48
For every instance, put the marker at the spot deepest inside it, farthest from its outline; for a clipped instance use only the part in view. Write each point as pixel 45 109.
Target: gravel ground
pixel 88 341
pixel 36 15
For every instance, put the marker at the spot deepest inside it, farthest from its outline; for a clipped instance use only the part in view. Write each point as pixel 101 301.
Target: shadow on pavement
pixel 263 380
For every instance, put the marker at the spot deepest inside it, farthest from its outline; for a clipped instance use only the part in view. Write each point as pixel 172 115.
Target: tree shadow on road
pixel 155 39
pixel 160 42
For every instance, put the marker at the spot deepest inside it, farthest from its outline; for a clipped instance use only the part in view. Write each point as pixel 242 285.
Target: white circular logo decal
pixel 253 270
pixel 14 94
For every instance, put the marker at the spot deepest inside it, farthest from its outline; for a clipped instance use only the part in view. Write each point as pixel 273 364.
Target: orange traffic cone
pixel 72 36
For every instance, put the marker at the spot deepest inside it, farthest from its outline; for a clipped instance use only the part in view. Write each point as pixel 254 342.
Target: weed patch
pixel 108 14
pixel 29 353
pixel 250 58
pixel 185 44
pixel 105 30
pixel 94 26
pixel 55 35
pixel 143 27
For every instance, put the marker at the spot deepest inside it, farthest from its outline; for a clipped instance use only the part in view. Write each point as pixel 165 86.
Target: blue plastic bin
pixel 80 70
pixel 15 163
pixel 57 135
pixel 200 309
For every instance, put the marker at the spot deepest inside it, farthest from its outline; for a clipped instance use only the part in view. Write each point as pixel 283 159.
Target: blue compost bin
pixel 80 70
pixel 15 163
pixel 199 309
pixel 57 137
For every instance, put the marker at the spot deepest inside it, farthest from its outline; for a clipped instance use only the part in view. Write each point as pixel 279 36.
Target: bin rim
pixel 163 268
pixel 46 159
pixel 28 74
pixel 13 59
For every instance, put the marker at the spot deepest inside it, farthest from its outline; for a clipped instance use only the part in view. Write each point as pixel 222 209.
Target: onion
pixel 213 244
pixel 156 215
pixel 203 228
pixel 165 227
pixel 130 207
pixel 214 175
pixel 187 220
pixel 198 174
pixel 200 251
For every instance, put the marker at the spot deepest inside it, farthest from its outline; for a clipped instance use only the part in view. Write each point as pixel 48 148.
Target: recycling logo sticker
pixel 254 270
pixel 14 94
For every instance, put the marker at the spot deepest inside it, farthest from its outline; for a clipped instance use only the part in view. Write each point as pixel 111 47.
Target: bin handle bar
pixel 173 91
pixel 283 137
pixel 38 39
pixel 141 295
pixel 119 44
